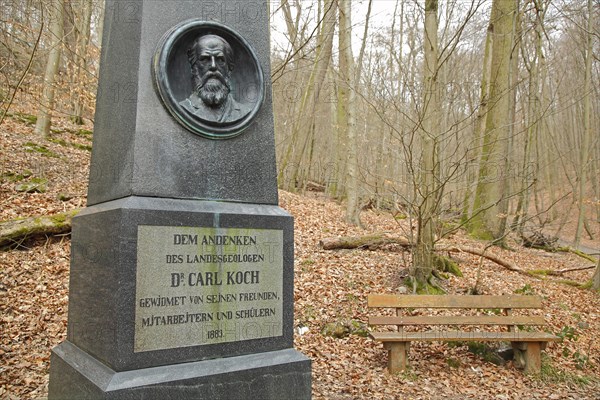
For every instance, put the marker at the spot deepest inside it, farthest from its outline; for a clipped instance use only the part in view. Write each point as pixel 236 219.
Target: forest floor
pixel 330 286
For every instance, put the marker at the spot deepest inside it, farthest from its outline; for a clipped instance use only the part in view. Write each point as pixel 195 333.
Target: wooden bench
pixel 527 344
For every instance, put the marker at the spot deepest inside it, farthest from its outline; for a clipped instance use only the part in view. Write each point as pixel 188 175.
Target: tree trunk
pixel 534 122
pixel 513 80
pixel 42 126
pixel 310 96
pixel 80 81
pixel 346 111
pixel 362 242
pixel 372 242
pixel 479 128
pixel 427 189
pixel 587 127
pixel 596 277
pixel 489 204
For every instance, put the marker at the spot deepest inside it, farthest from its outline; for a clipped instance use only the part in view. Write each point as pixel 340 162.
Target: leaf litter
pixel 329 286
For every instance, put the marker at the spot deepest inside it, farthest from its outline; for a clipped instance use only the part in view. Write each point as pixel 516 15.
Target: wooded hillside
pixel 462 131
pixel 484 112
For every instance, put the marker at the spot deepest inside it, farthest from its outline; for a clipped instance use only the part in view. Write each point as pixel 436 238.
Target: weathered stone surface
pixel 207 285
pixel 103 284
pixel 31 187
pixel 181 282
pixel 283 374
pixel 139 148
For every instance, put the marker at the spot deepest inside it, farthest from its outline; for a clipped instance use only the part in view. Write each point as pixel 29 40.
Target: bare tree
pixel 80 73
pixel 490 205
pixel 346 123
pixel 350 75
pixel 302 130
pixel 427 190
pixel 42 126
pixel 587 126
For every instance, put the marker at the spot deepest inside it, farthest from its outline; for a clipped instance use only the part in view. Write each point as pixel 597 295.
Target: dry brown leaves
pixel 329 286
pixel 25 157
pixel 333 285
pixel 34 278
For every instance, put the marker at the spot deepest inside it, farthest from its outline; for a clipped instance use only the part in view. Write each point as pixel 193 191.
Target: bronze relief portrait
pixel 208 78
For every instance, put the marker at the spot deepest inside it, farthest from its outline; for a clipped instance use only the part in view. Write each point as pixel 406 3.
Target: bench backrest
pixel 506 303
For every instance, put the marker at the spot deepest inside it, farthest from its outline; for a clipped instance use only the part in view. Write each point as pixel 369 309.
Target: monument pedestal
pixel 134 332
pixel 158 281
pixel 282 374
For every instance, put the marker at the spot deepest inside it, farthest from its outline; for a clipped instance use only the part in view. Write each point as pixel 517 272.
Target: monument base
pixel 115 268
pixel 282 374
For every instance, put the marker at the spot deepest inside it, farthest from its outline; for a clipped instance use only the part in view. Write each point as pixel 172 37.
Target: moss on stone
pixel 359 329
pixel 423 287
pixel 35 185
pixel 16 176
pixel 64 196
pixel 445 264
pixel 344 328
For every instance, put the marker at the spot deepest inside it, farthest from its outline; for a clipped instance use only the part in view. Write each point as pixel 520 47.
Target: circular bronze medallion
pixel 209 78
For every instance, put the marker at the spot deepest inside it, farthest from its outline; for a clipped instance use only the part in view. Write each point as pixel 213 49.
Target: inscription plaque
pixel 201 286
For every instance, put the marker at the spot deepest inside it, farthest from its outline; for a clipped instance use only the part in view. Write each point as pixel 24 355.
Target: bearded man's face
pixel 212 85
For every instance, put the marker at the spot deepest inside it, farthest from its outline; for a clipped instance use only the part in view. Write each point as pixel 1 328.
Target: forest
pixel 443 146
pixel 480 112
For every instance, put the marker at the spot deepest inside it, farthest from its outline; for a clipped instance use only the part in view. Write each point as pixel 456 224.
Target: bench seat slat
pixel 458 320
pixel 450 336
pixel 453 301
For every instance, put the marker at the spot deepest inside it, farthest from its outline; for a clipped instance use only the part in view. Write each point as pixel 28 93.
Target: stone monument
pixel 181 283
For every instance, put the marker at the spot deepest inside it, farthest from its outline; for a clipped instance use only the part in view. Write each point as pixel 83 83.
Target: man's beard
pixel 214 89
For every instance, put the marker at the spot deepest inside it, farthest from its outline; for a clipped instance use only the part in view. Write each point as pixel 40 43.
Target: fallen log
pixel 15 231
pixel 314 187
pixel 362 242
pixel 472 250
pixel 562 271
pixel 377 240
pixel 582 254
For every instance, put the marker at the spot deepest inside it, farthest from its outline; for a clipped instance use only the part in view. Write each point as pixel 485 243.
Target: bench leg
pixel 528 356
pixel 533 358
pixel 397 356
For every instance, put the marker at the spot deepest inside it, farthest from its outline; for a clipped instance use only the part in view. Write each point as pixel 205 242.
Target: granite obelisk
pixel 181 282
